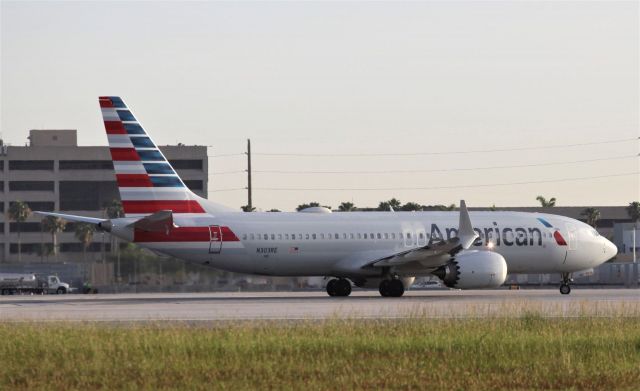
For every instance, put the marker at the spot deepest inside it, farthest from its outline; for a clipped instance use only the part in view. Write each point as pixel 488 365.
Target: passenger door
pixel 215 242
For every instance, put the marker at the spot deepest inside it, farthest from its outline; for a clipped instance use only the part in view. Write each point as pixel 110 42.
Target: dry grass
pixel 526 352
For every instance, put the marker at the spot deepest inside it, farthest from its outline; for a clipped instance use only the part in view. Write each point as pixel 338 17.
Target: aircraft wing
pixel 435 253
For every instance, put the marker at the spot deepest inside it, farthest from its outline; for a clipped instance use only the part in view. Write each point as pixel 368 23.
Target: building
pixel 53 173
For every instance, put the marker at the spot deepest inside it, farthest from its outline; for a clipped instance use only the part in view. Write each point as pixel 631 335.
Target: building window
pixel 31 186
pixel 86 165
pixel 46 165
pixel 194 185
pixel 87 195
pixel 25 227
pixel 43 206
pixel 186 164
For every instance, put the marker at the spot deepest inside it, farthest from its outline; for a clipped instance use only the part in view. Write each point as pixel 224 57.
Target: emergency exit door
pixel 215 242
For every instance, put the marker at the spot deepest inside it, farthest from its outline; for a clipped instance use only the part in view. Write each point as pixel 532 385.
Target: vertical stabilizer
pixel 146 181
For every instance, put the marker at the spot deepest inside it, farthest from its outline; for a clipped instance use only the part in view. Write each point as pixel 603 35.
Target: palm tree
pixel 411 206
pixel 393 203
pixel 347 207
pixel 274 210
pixel 114 210
pixel 84 233
pixel 633 210
pixel 592 215
pixel 309 205
pixel 246 208
pixel 546 204
pixel 19 212
pixel 53 225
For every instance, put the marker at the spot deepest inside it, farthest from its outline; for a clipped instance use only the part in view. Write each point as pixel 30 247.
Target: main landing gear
pixel 339 287
pixel 565 288
pixel 391 287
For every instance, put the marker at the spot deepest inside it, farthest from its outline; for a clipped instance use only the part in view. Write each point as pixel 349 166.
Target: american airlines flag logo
pixel 294 250
pixel 146 180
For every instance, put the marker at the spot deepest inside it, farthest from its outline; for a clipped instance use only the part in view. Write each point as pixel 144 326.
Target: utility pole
pixel 249 200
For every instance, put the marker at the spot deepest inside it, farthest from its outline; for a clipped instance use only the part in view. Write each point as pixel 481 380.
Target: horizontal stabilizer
pixel 79 219
pixel 161 221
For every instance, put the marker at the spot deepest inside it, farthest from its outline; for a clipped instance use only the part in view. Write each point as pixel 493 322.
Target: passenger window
pixel 351 236
pixel 386 235
pixel 408 235
pixel 359 235
pixel 321 236
pixel 344 236
pixel 266 237
pixel 273 236
pixel 365 236
pixel 421 236
pixel 336 236
pixel 372 237
pixel 252 237
pixel 393 235
pixel 244 236
pixel 313 236
pixel 286 236
pixel 279 236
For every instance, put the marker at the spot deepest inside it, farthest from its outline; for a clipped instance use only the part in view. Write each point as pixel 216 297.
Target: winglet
pixel 465 230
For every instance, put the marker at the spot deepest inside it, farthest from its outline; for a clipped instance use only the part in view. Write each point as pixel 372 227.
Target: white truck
pixel 20 283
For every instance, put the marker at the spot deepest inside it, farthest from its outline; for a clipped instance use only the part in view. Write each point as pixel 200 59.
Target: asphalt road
pixel 190 307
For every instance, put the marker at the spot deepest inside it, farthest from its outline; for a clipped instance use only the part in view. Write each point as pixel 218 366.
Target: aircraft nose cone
pixel 610 249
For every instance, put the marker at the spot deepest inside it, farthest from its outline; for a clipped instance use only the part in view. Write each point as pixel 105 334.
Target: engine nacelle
pixel 474 270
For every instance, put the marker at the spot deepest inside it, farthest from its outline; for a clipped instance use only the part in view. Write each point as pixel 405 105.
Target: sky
pixel 430 102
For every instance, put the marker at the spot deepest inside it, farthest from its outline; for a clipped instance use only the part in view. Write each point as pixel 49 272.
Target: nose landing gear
pixel 565 288
pixel 339 287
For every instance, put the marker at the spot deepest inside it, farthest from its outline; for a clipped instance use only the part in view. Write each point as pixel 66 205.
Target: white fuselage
pixel 345 244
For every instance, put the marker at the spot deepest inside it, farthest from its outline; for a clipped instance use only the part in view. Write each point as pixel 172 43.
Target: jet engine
pixel 474 270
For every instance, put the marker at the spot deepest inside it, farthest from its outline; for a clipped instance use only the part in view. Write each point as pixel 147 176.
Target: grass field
pixel 528 352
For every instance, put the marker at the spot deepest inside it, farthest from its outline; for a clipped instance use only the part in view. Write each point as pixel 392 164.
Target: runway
pixel 190 307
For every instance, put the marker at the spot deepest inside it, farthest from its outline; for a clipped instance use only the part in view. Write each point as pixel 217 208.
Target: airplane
pixel 385 250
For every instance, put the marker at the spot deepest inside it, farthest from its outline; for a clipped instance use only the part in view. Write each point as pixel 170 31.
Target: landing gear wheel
pixel 391 288
pixel 331 287
pixel 565 288
pixel 339 287
pixel 343 287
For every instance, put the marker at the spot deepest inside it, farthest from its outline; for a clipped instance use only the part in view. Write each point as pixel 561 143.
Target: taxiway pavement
pixel 239 306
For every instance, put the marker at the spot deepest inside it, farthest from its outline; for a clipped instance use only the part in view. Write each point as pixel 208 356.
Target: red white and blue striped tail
pixel 146 180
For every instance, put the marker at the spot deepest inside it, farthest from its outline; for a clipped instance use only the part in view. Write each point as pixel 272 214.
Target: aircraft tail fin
pixel 146 180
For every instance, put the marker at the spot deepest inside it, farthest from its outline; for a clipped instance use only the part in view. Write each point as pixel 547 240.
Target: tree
pixel 114 209
pixel 274 210
pixel 19 212
pixel 411 206
pixel 592 215
pixel 347 207
pixel 246 208
pixel 53 225
pixel 84 233
pixel 546 204
pixel 393 203
pixel 633 210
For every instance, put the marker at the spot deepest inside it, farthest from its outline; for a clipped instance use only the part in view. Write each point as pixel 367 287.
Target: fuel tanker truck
pixel 21 283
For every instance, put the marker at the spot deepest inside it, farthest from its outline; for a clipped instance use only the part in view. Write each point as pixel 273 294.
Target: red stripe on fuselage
pixel 186 206
pixel 124 154
pixel 176 234
pixel 183 234
pixel 114 127
pixel 133 180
